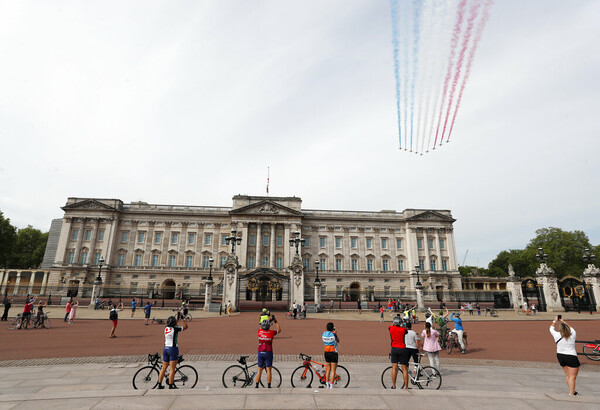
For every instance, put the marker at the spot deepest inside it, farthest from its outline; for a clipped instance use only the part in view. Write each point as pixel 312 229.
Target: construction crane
pixel 465 258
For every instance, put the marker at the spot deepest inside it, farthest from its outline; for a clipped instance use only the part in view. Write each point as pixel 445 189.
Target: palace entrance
pixel 532 293
pixel 354 291
pixel 168 289
pixel 264 288
pixel 573 294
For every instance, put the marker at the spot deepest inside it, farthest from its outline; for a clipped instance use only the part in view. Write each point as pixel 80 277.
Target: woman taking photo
pixel 564 337
pixel 431 345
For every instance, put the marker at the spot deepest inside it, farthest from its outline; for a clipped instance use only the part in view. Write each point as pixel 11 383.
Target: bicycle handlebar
pixel 304 356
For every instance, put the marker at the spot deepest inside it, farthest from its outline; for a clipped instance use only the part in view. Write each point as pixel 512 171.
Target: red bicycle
pixel 303 375
pixel 592 350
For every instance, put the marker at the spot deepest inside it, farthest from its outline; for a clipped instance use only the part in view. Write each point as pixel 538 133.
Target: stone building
pixel 166 251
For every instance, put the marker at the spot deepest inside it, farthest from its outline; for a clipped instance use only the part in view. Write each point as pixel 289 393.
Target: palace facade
pixel 167 251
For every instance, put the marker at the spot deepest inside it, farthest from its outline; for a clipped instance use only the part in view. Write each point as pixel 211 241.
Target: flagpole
pixel 268 177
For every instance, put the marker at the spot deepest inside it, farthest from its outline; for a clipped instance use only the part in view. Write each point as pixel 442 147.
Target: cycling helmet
pixel 265 325
pixel 397 321
pixel 427 314
pixel 265 311
pixel 457 314
pixel 171 321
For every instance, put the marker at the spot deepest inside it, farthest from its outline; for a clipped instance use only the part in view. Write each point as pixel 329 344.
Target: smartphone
pixel 559 317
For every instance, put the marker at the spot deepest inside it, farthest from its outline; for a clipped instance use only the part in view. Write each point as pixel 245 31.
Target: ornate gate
pixel 532 293
pixel 573 295
pixel 264 288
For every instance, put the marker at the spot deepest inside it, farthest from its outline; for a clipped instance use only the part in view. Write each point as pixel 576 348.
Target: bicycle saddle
pixel 242 359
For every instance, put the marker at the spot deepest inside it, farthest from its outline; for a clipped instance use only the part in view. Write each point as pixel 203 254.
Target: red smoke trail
pixel 478 33
pixel 453 45
pixel 459 64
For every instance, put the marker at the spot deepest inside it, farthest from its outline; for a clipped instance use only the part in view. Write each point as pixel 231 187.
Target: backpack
pixel 113 315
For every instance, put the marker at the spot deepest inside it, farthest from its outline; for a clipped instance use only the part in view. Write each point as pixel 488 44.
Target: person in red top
pixel 398 354
pixel 265 349
pixel 27 311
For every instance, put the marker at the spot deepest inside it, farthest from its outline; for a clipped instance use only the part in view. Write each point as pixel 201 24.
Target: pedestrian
pixel 229 308
pixel 133 306
pixel 565 337
pixel 331 341
pixel 470 307
pixel 533 310
pixel 73 312
pixel 398 354
pixel 114 317
pixel 442 320
pixel 171 351
pixel 431 345
pixel 265 349
pixel 147 311
pixel 381 310
pixel 478 309
pixel 359 306
pixel 295 309
pixel 331 306
pixel 67 310
pixel 7 305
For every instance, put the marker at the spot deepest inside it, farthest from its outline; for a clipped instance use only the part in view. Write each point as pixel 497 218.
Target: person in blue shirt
pixel 147 310
pixel 330 340
pixel 133 306
pixel 458 329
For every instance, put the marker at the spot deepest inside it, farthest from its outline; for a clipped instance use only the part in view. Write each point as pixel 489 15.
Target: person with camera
pixel 114 317
pixel 171 351
pixel 398 353
pixel 265 348
pixel 564 337
pixel 459 330
pixel 330 340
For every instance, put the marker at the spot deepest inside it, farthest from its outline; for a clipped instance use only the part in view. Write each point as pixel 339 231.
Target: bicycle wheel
pixel 188 318
pixel 449 344
pixel 47 323
pixel 275 378
pixel 302 377
pixel 12 325
pixel 386 377
pixel 186 377
pixel 342 377
pixel 235 376
pixel 592 351
pixel 288 316
pixel 145 378
pixel 429 378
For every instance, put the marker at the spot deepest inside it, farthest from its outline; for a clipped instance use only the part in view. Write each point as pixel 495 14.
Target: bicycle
pixel 493 312
pixel 592 350
pixel 452 341
pixel 45 322
pixel 238 376
pixel 186 376
pixel 425 377
pixel 303 375
pixel 158 321
pixel 299 315
pixel 19 323
pixel 187 317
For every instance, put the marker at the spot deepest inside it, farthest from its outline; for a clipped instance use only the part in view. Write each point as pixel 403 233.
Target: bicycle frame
pixel 308 364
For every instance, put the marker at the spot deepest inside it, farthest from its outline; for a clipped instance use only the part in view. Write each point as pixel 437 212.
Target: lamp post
pixel 97 282
pixel 317 280
pixel 418 269
pixel 317 288
pixel 296 241
pixel 419 290
pixel 233 239
pixel 541 256
pixel 211 261
pixel 209 286
pixel 589 258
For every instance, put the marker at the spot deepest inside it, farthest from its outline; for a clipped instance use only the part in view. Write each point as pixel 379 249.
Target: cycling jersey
pixel 330 340
pixel 263 317
pixel 397 335
pixel 171 335
pixel 265 340
pixel 27 307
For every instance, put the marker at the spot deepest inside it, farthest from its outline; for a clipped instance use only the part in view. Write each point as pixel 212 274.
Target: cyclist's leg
pixel 394 374
pixel 459 333
pixel 327 373
pixel 332 368
pixel 163 370
pixel 173 366
pixel 405 375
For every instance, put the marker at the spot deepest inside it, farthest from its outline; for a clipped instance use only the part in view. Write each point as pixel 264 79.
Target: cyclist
pixel 412 348
pixel 458 329
pixel 265 349
pixel 398 353
pixel 40 314
pixel 330 340
pixel 441 321
pixel 295 309
pixel 171 351
pixel 27 311
pixel 265 315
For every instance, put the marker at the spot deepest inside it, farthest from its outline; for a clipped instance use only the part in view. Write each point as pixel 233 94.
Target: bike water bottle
pixel 252 375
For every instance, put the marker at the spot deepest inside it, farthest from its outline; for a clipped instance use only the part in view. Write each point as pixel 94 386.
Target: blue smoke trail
pixel 404 25
pixel 417 5
pixel 395 43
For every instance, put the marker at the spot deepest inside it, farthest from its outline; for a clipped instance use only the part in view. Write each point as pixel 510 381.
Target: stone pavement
pixel 108 385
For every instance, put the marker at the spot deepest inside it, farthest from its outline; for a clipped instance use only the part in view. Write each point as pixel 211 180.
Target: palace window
pixel 430 243
pixel 306 242
pixel 279 263
pixel 306 263
pixel 338 242
pixel 124 237
pixel 251 262
pixel 205 261
pixel 322 241
pixel 138 260
pixel 251 240
pixel 188 261
pixel 223 240
pixel 385 265
pixel 399 243
pixel 354 265
pixel 97 258
pixel 154 260
pixel 265 261
pixel 171 260
pixel 433 266
pixel 442 244
pixel 121 259
pixel 323 264
pixel 191 238
pixel 157 237
pixel 353 242
pixel 174 238
pixel 75 234
pixel 422 264
pixel 83 258
pixel 384 243
pixel 419 243
pixel 207 239
pixel 279 240
pixel 101 235
pixel 88 235
pixel 369 243
pixel 222 261
pixel 401 265
pixel 70 257
pixel 369 265
pixel 444 265
pixel 141 237
pixel 338 264
pixel 265 240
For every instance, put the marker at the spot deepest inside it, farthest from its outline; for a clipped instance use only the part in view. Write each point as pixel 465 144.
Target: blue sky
pixel 189 102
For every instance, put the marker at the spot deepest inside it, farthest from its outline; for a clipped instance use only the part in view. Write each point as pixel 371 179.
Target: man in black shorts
pixel 330 340
pixel 398 354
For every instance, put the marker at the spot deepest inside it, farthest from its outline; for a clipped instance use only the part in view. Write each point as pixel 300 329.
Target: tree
pixel 8 236
pixel 30 245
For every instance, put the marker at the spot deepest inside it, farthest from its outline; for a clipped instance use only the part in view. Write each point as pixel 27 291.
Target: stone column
pixel 412 254
pixel 147 258
pixel 132 240
pixel 286 245
pixel 318 295
pixel 164 256
pixel 515 291
pixel 208 294
pixel 77 258
pixel 438 250
pixel 63 241
pixel 420 304
pixel 273 246
pixel 546 277
pixel 17 283
pixel 109 240
pixel 31 282
pixel 44 283
pixel 426 247
pixel 5 281
pixel 244 245
pixel 258 262
pixel 452 264
pixel 592 278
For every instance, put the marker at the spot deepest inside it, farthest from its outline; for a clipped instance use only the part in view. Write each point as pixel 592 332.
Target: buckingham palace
pixel 261 250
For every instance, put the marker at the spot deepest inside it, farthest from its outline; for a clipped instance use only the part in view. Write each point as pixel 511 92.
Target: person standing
pixel 265 349
pixel 478 309
pixel 442 320
pixel 412 348
pixel 398 354
pixel 295 309
pixel 147 311
pixel 67 310
pixel 564 337
pixel 73 311
pixel 431 345
pixel 114 317
pixel 39 322
pixel 133 306
pixel 7 305
pixel 171 351
pixel 330 340
pixel 331 306
pixel 359 306
pixel 381 310
pixel 229 308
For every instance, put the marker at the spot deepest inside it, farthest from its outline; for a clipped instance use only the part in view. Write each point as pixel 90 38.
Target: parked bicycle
pixel 19 323
pixel 158 321
pixel 45 322
pixel 592 350
pixel 425 377
pixel 303 375
pixel 299 315
pixel 493 312
pixel 186 376
pixel 240 377
pixel 452 341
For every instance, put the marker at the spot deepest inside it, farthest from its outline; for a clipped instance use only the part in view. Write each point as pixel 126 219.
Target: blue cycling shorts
pixel 170 354
pixel 265 359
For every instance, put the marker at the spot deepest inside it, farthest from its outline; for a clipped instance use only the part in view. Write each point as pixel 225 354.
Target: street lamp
pixel 210 265
pixel 296 241
pixel 98 280
pixel 541 256
pixel 418 269
pixel 317 280
pixel 233 239
pixel 589 258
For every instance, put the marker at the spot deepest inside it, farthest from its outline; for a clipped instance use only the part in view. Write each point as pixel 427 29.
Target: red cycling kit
pixel 398 354
pixel 265 340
